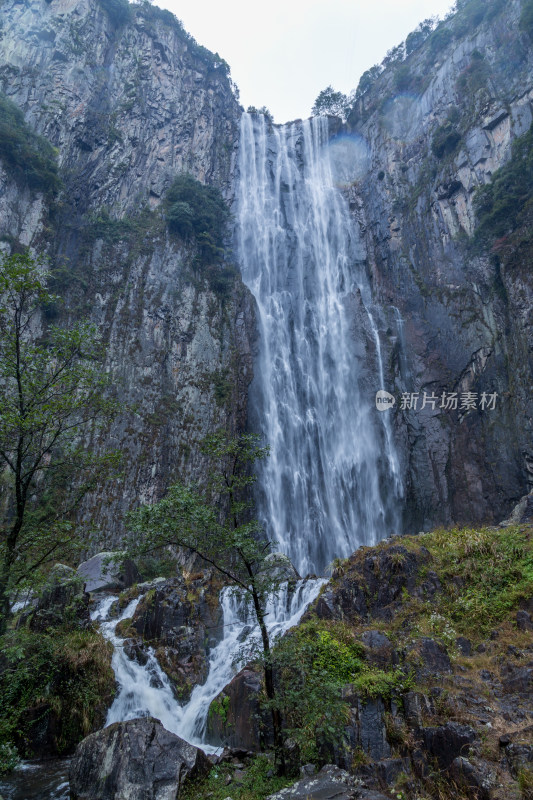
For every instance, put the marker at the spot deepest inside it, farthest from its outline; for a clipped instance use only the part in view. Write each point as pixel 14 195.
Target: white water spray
pixel 332 480
pixel 145 690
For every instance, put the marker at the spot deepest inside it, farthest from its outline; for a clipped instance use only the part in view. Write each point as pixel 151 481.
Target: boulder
pixel 429 658
pixel 379 649
pixel 477 778
pixel 61 599
pixel 182 620
pixel 447 742
pixel 134 760
pixel 108 572
pixel 280 568
pixel 235 717
pixel 522 513
pixel 331 782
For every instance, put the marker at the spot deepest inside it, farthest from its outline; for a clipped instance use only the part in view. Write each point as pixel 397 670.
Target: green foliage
pixel 257 783
pixel 118 11
pixel 496 568
pixel 330 102
pixel 405 80
pixel 61 679
pixel 367 80
pixel 313 663
pixel 502 204
pixel 526 18
pixel 263 110
pixel 52 390
pixel 445 140
pixel 9 758
pixel 31 158
pixel 197 212
pixel 525 783
pixel 474 77
pixel 417 37
pixel 224 535
pixel 440 39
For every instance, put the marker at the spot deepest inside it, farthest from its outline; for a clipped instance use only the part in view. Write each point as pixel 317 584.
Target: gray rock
pixel 331 783
pixel 62 599
pixel 280 568
pixel 478 778
pixel 447 742
pixel 135 760
pixel 108 571
pixel 429 658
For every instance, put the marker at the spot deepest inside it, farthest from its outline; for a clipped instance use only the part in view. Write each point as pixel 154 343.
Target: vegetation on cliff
pixel 29 157
pixel 52 393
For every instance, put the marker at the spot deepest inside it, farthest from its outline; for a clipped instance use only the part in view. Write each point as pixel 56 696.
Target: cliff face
pixel 459 310
pixel 130 102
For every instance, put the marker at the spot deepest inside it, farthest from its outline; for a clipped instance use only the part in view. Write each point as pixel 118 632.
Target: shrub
pixel 30 157
pixel 118 11
pixel 445 140
pixel 198 214
pixel 526 18
pixel 440 39
pixel 501 204
pixel 64 674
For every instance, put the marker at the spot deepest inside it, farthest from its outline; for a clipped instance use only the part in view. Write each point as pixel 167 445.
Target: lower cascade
pixel 145 690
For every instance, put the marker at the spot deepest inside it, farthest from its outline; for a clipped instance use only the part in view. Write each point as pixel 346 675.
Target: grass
pixel 495 571
pixel 61 679
pixel 258 782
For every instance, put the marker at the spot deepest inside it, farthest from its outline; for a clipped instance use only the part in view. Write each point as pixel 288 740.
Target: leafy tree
pixel 225 536
pixel 330 102
pixel 263 110
pixel 199 212
pixel 367 79
pixel 51 393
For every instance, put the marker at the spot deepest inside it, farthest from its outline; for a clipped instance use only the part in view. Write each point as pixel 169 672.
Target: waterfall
pixel 332 481
pixel 145 690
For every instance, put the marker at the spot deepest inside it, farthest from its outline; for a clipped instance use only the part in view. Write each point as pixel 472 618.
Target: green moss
pixel 495 568
pixel 59 679
pixel 30 158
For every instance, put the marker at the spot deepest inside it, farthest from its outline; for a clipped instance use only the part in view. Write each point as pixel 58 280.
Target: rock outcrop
pixel 135 760
pixel 130 101
pixel 457 317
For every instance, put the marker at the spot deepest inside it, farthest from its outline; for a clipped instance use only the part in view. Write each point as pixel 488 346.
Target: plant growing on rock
pixel 223 533
pixel 51 394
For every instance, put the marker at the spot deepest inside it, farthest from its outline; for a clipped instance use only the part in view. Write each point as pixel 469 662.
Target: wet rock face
pixel 182 621
pixel 236 718
pixel 458 321
pixel 135 760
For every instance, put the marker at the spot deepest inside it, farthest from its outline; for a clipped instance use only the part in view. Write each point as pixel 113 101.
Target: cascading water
pixel 332 480
pixel 145 690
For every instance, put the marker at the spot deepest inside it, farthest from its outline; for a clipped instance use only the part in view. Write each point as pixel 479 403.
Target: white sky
pixel 283 52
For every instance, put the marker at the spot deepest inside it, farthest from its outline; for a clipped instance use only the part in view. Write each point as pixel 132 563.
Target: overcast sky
pixel 283 52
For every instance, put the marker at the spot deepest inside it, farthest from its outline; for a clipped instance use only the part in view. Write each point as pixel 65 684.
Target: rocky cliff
pixel 435 127
pixel 130 101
